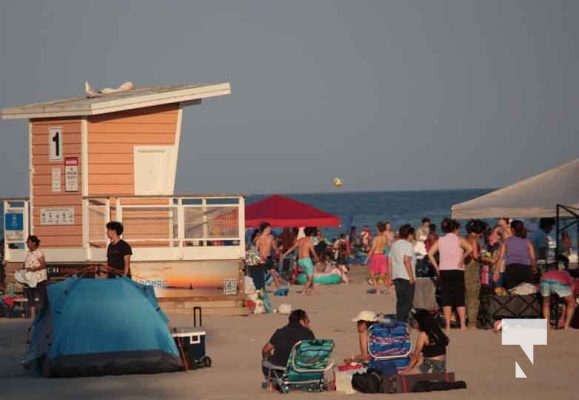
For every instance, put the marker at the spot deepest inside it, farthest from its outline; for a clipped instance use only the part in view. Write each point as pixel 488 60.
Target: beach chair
pixel 306 367
pixel 389 346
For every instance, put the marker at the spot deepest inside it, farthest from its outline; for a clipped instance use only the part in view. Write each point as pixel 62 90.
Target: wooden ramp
pixel 212 305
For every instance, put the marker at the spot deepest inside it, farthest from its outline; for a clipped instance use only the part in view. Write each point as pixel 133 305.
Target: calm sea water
pixel 367 208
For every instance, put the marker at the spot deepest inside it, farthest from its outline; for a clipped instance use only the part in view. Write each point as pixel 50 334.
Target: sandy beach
pixel 234 344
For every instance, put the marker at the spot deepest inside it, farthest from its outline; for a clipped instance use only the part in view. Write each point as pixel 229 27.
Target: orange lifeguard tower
pixel 114 157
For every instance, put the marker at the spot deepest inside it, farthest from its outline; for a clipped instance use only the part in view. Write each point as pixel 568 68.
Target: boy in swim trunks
pixel 561 283
pixel 305 249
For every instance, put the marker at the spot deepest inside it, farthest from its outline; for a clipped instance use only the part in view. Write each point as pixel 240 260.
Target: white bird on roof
pixel 90 92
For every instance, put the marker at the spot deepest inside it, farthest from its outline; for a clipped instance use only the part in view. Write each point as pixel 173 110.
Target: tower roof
pixel 136 98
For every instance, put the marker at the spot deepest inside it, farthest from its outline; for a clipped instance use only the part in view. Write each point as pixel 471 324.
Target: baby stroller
pixel 389 346
pixel 307 363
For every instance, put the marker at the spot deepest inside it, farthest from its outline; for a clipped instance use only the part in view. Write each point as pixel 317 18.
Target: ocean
pixel 398 207
pixel 367 208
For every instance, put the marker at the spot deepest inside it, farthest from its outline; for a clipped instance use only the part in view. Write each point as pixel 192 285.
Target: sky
pixel 387 95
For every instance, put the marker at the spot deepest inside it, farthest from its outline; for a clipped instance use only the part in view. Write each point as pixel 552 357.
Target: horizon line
pixel 339 191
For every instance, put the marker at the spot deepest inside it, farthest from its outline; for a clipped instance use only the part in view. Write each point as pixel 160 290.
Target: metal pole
pixel 557 239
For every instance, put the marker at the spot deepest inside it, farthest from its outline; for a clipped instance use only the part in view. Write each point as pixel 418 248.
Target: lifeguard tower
pixel 114 157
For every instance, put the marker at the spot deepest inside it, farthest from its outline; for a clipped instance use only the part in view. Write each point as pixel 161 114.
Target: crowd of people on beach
pixel 267 256
pixel 493 259
pixel 505 257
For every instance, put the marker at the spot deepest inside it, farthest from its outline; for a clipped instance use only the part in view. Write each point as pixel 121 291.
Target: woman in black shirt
pixel 430 352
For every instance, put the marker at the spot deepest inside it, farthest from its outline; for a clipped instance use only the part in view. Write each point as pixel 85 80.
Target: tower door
pixel 153 170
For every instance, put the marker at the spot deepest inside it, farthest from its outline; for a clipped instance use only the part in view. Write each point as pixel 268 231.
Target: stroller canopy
pixel 102 327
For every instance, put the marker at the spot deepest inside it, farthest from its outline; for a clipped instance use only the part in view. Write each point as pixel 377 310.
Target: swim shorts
pixel 379 264
pixel 307 265
pixel 431 366
pixel 550 286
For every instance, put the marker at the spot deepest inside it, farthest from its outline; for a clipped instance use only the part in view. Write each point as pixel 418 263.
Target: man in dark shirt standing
pixel 277 350
pixel 118 252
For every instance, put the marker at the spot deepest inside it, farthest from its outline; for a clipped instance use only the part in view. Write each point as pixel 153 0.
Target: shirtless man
pixel 265 244
pixel 305 250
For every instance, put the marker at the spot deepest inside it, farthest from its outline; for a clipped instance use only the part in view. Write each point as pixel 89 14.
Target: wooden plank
pixel 41 139
pixel 167 138
pixel 46 190
pixel 63 199
pixel 116 127
pixel 110 148
pixel 46 169
pixel 69 137
pixel 108 169
pixel 42 161
pixel 132 231
pixel 58 230
pixel 54 121
pixel 67 149
pixel 149 114
pixel 77 212
pixel 68 130
pixel 105 179
pixel 60 241
pixel 158 118
pixel 146 201
pixel 46 179
pixel 225 312
pixel 217 296
pixel 120 190
pixel 212 304
pixel 95 159
pixel 163 118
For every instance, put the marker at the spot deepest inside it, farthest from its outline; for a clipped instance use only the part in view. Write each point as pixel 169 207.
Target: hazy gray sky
pixel 387 95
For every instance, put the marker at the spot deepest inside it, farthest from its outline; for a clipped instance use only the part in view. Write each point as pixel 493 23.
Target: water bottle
pixel 11 290
pixel 485 274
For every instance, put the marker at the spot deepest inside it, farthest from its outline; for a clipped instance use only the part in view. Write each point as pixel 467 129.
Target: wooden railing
pixel 161 227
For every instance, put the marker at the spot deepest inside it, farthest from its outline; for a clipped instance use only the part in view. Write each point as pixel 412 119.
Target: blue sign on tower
pixel 13 222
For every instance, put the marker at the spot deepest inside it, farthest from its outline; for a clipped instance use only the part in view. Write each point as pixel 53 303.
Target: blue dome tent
pixel 102 327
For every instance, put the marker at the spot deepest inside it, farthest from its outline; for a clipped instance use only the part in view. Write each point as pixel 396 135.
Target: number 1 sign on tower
pixel 55 143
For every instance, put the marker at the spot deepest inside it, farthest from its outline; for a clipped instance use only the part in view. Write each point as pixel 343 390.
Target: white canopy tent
pixel 537 196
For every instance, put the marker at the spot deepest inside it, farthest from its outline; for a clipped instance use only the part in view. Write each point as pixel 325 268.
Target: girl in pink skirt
pixel 379 260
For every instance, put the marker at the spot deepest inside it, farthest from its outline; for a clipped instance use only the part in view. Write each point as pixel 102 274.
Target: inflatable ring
pixel 322 279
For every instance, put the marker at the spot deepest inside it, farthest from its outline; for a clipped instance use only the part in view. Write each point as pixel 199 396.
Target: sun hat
pixel 366 315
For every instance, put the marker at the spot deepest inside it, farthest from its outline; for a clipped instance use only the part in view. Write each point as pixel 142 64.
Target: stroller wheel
pixel 284 388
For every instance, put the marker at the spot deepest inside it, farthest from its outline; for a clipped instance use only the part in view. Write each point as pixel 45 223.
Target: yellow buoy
pixel 338 182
